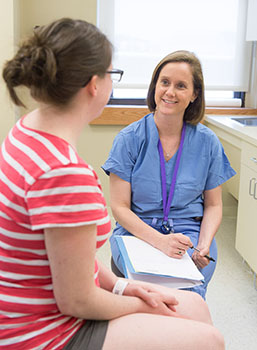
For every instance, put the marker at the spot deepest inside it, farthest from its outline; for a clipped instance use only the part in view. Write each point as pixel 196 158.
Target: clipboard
pixel 143 262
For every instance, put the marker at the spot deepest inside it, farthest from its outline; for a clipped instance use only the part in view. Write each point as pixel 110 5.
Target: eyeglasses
pixel 116 74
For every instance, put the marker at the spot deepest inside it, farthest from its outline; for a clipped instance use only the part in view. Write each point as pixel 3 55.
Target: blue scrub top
pixel 134 157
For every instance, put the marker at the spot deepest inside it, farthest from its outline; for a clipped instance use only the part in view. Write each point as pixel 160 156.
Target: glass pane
pixel 144 31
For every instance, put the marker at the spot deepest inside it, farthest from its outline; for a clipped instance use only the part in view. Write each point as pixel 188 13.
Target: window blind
pixel 144 31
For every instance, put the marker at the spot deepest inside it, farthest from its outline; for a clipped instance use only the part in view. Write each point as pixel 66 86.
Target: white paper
pixel 170 282
pixel 149 262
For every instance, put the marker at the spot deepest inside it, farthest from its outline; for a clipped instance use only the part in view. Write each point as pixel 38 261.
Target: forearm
pixel 169 244
pixel 99 304
pixel 133 224
pixel 72 263
pixel 211 221
pixel 120 198
pixel 107 278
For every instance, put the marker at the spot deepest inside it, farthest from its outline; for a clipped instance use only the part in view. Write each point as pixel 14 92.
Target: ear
pixel 92 86
pixel 195 95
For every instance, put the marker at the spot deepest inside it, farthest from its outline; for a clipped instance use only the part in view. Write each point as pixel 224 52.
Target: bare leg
pixel 154 332
pixel 148 331
pixel 191 305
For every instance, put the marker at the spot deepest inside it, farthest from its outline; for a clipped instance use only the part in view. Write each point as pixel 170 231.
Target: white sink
pixel 247 121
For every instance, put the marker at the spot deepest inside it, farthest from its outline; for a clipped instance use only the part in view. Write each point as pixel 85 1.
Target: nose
pixel 171 90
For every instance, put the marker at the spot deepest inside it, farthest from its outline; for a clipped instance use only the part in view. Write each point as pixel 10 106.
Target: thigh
pixel 154 332
pixel 190 305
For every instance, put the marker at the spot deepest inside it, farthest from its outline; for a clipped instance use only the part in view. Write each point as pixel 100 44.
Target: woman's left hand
pixel 199 257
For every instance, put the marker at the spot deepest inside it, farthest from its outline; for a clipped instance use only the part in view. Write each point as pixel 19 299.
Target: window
pixel 144 31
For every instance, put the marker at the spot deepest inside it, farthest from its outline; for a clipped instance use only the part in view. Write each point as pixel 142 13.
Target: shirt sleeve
pixel 220 169
pixel 66 197
pixel 122 156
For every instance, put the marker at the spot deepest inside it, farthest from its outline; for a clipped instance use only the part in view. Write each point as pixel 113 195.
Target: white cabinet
pixel 232 148
pixel 242 153
pixel 234 155
pixel 246 234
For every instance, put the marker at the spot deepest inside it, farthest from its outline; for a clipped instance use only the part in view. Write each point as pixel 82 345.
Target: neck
pixel 65 125
pixel 168 126
pixel 169 129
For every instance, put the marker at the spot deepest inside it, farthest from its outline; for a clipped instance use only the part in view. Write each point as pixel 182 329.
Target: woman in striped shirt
pixel 54 294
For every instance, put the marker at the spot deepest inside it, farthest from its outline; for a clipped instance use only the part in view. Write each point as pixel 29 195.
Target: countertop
pixel 226 123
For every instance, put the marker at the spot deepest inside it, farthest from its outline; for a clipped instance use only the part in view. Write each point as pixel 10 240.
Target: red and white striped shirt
pixel 43 183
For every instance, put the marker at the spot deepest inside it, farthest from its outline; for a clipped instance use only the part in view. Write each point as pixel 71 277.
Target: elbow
pixel 72 305
pixel 115 212
pixel 119 210
pixel 79 305
pixel 66 307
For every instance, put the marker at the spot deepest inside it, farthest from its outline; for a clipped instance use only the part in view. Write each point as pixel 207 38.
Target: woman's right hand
pixel 164 304
pixel 151 296
pixel 174 245
pixel 155 302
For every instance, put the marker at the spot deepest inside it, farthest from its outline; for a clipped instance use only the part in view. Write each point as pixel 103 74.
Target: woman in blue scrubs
pixel 166 170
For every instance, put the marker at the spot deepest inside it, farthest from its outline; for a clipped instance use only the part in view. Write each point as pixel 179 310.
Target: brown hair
pixel 194 113
pixel 57 60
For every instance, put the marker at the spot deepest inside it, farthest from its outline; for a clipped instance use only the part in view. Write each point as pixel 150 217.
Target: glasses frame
pixel 113 71
pixel 116 71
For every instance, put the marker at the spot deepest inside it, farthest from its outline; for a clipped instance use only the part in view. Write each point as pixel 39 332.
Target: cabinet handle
pixel 252 187
pixel 254 159
pixel 255 192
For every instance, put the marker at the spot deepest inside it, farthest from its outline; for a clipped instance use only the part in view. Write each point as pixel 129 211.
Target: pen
pixel 206 256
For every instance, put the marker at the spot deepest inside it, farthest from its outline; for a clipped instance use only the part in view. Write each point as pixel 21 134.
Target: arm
pixel 120 196
pixel 212 216
pixel 141 290
pixel 107 278
pixel 71 253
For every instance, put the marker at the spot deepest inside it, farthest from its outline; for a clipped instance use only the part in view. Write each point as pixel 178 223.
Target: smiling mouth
pixel 169 102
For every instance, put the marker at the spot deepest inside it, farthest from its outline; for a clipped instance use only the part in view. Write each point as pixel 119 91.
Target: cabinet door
pixel 234 156
pixel 246 234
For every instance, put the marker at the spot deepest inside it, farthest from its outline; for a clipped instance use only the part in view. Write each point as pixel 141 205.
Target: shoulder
pixel 73 177
pixel 138 127
pixel 202 140
pixel 43 149
pixel 202 133
pixel 134 135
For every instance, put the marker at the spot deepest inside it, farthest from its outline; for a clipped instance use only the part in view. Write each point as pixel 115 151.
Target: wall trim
pixel 125 115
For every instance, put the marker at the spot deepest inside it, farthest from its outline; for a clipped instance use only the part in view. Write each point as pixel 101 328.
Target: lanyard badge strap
pixel 167 203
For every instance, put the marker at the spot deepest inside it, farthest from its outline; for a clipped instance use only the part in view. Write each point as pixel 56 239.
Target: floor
pixel 232 297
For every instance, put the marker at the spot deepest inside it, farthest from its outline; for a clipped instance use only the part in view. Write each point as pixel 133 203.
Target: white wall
pixel 7 39
pixel 251 96
pixel 17 19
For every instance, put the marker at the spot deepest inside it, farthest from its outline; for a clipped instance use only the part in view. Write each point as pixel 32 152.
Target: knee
pixel 215 339
pixel 201 309
pixel 200 302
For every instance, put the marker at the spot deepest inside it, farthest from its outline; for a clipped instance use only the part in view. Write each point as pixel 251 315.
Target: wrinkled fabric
pixel 134 157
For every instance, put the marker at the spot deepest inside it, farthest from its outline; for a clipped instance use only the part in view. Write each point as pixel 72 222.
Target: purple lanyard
pixel 167 203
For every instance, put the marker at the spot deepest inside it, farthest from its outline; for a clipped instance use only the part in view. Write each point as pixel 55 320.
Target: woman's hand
pixel 199 257
pixel 159 303
pixel 174 245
